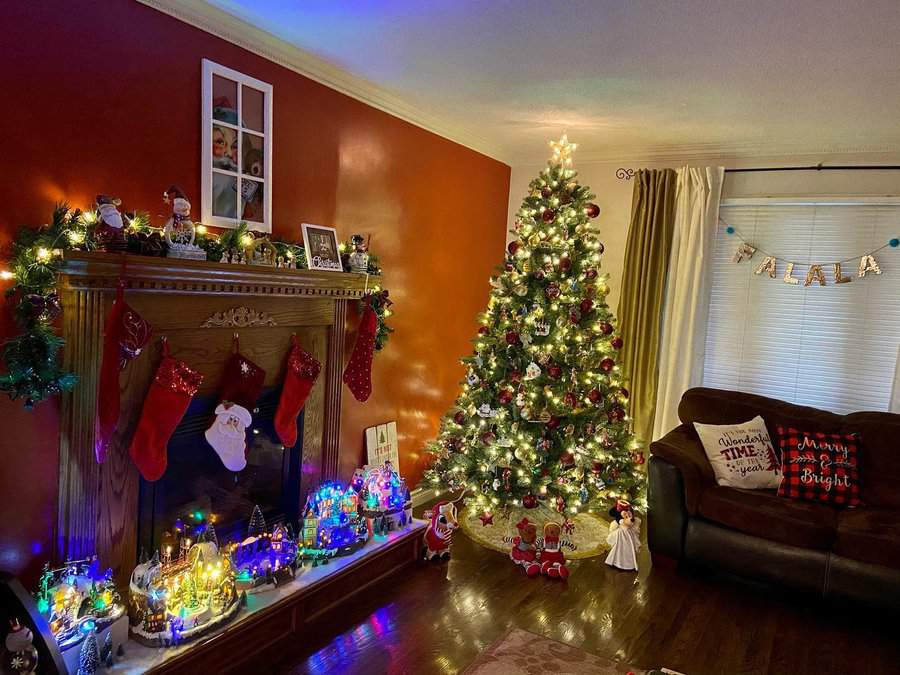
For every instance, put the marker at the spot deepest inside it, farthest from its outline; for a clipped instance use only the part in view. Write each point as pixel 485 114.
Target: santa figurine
pixel 524 548
pixel 624 537
pixel 110 230
pixel 439 533
pixel 553 561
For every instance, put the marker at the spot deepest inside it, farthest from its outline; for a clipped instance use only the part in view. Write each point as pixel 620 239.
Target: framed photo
pixel 236 157
pixel 321 245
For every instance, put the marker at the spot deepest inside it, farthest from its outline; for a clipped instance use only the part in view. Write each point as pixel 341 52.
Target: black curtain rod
pixel 818 167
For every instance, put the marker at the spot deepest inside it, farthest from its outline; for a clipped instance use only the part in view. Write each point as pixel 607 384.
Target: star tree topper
pixel 562 151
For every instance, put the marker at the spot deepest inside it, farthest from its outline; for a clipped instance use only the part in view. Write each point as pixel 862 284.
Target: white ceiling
pixel 625 78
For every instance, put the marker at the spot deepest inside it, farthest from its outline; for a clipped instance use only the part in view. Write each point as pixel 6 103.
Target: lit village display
pixel 384 497
pixel 78 601
pixel 264 559
pixel 184 593
pixel 332 525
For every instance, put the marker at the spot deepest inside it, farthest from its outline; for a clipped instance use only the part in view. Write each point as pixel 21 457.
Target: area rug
pixel 522 653
pixel 588 537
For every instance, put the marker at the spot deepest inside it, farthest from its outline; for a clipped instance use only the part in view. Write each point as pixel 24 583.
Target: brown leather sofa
pixel 847 553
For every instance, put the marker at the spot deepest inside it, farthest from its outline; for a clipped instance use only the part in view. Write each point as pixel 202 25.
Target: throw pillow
pixel 741 455
pixel 819 467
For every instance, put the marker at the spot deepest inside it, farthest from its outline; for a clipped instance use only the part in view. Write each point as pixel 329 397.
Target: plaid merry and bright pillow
pixel 819 467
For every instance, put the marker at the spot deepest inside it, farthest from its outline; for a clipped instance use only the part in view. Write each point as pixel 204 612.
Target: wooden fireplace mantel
pixel 198 306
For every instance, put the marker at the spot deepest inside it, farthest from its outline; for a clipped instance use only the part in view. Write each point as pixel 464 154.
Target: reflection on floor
pixel 441 616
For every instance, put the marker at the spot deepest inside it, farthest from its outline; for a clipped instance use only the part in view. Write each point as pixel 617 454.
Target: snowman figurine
pixel 20 656
pixel 359 259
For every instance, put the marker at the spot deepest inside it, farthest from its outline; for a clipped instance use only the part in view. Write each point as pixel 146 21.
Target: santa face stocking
pixel 124 336
pixel 242 383
pixel 170 393
pixel 358 373
pixel 300 376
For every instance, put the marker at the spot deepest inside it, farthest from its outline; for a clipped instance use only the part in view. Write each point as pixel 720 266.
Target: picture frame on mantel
pixel 322 249
pixel 236 149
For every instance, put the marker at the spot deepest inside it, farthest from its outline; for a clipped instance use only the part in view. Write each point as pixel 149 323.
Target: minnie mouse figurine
pixel 624 537
pixel 524 549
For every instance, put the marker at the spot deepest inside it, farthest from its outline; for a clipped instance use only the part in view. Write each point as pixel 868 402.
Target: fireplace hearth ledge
pixel 281 614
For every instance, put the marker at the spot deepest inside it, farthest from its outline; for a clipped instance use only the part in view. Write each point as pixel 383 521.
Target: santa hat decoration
pixel 242 383
pixel 125 334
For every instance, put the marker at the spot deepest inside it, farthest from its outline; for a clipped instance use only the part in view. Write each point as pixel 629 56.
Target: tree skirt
pixel 589 535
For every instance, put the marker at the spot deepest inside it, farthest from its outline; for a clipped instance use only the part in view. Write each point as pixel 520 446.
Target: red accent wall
pixel 104 96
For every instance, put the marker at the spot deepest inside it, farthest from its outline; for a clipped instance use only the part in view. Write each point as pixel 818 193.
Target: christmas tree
pixel 541 415
pixel 89 656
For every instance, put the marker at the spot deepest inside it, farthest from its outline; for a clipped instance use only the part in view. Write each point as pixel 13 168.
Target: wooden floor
pixel 439 617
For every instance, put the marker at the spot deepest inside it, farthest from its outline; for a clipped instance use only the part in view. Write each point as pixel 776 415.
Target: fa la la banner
pixel 816 271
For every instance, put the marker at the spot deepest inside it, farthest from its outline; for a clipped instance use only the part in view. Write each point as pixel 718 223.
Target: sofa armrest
pixel 667 517
pixel 682 449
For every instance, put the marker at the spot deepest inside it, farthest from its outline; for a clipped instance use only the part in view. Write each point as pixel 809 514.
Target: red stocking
pixel 300 376
pixel 170 394
pixel 124 336
pixel 358 373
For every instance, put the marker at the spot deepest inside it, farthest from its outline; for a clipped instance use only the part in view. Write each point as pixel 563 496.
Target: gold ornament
pixel 544 417
pixel 815 273
pixel 867 264
pixel 520 289
pixel 788 271
pixel 839 278
pixel 767 265
pixel 744 251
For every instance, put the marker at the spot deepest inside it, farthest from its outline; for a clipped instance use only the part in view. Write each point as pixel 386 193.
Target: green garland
pixel 32 358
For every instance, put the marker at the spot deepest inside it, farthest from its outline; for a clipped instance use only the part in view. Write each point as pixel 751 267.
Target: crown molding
pixel 732 152
pixel 238 31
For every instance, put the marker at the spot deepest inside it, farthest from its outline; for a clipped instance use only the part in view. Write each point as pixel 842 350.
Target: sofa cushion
pixel 879 457
pixel 869 535
pixel 763 514
pixel 819 467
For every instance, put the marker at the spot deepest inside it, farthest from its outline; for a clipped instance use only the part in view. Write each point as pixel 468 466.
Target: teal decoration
pixel 894 242
pixel 729 229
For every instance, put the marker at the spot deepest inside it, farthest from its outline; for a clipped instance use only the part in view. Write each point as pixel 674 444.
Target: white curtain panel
pixel 685 312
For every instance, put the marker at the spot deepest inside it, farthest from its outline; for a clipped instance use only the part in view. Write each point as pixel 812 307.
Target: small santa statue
pixel 624 537
pixel 110 230
pixel 524 548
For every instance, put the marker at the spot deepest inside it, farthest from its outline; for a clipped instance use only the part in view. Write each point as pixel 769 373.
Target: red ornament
pixel 586 305
pixel 529 501
pixel 592 210
pixel 546 192
pixel 575 316
pixel 594 396
pixel 539 274
pixel 552 291
pixel 482 330
pixel 606 328
pixel 565 264
pixel 638 458
pixel 548 215
pixel 486 518
pixel 567 459
pixel 459 417
pixel 616 414
pixel 509 267
pixel 560 504
pixel 571 399
pixel 488 437
pixel 512 337
pixel 590 273
pixel 553 422
pixel 596 467
pixel 513 247
pixel 616 342
pixel 607 364
pixel 624 393
pixel 515 376
pixel 505 396
pixel 554 371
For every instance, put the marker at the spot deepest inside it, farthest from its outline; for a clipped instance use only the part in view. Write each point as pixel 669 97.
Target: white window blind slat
pixel 835 347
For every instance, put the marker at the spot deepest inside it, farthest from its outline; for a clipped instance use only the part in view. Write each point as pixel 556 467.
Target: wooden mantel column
pixel 198 306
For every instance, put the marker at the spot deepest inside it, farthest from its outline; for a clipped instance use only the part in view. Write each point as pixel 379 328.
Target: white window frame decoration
pixel 210 68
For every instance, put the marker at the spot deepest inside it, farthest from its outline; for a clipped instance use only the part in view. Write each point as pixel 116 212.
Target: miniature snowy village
pixel 385 500
pixel 264 559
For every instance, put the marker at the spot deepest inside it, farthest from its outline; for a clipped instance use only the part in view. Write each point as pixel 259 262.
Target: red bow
pixel 522 523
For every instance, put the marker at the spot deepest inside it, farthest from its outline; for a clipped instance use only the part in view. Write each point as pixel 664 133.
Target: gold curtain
pixel 643 290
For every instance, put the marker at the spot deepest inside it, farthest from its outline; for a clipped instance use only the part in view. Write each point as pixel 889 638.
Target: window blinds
pixel 833 347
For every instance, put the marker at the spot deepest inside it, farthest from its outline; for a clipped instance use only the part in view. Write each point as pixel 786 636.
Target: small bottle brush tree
pixel 541 415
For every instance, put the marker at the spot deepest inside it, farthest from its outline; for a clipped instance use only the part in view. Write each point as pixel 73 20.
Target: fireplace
pixel 197 485
pixel 198 306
